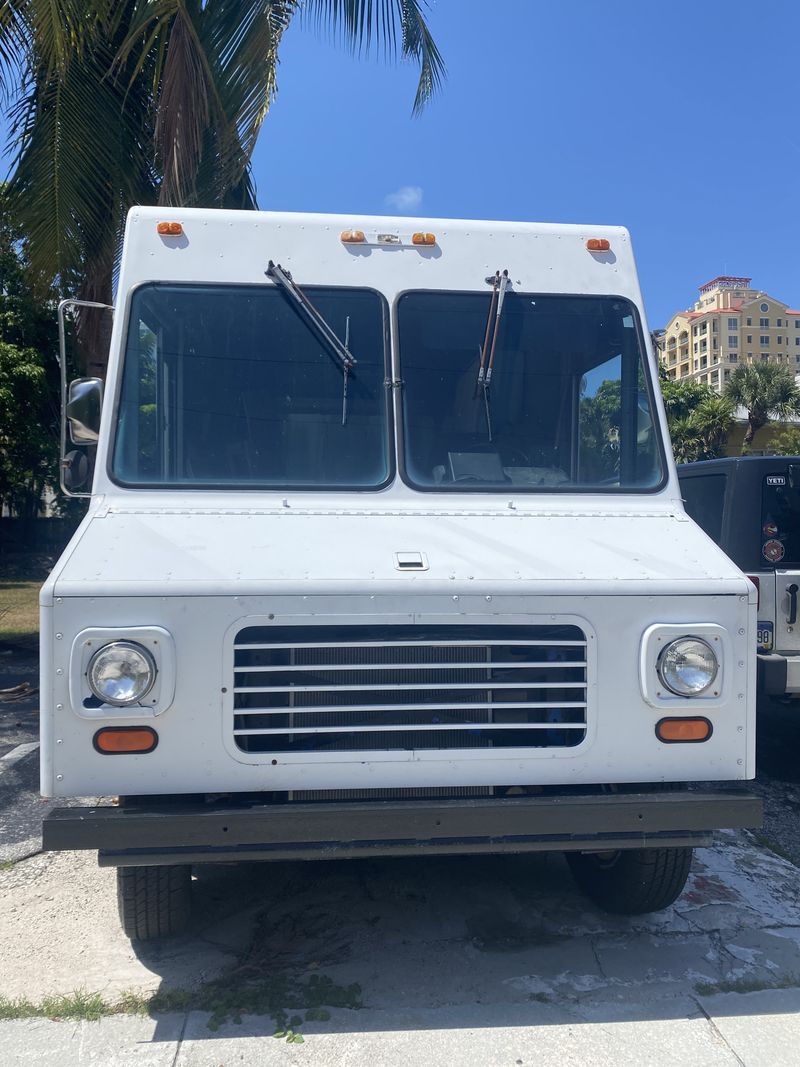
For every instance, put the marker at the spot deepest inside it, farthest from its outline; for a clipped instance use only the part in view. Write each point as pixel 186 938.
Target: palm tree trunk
pixel 754 424
pixel 92 325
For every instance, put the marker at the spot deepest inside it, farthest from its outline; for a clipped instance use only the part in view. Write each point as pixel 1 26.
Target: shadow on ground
pixel 487 941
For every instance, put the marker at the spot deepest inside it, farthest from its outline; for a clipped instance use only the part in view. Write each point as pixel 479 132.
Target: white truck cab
pixel 386 554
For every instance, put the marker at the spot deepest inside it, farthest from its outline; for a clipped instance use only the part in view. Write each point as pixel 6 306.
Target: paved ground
pixel 460 960
pixel 21 807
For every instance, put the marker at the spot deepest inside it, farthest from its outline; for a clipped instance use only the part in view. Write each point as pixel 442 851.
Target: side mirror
pixel 84 403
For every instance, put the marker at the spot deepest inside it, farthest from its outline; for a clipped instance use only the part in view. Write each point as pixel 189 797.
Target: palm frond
pixel 81 156
pixel 184 110
pixel 364 24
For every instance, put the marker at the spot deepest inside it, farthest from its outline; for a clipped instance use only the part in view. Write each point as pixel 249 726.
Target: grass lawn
pixel 19 612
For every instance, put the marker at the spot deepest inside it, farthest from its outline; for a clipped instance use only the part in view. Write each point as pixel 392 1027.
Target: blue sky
pixel 652 115
pixel 669 117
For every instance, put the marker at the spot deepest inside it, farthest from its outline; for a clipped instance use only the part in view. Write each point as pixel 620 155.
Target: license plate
pixel 764 636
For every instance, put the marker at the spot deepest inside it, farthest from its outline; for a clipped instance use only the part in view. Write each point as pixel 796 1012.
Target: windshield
pixel 228 385
pixel 566 406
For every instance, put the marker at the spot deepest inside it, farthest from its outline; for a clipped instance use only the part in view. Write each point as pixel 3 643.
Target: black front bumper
pixel 198 833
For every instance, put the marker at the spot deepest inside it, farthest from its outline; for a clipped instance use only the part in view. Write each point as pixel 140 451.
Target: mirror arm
pixel 62 359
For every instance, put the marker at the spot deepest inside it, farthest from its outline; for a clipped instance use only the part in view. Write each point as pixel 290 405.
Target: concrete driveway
pixel 458 960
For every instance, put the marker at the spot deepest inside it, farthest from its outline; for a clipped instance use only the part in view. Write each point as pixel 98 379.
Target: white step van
pixel 385 554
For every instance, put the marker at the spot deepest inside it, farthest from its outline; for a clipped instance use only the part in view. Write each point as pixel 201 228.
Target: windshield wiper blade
pixel 495 283
pixel 318 324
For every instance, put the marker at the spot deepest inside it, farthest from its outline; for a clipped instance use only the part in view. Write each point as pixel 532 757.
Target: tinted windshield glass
pixel 780 517
pixel 567 405
pixel 227 385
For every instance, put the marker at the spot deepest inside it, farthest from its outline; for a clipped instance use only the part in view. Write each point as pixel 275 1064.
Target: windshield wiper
pixel 500 283
pixel 338 349
pixel 318 324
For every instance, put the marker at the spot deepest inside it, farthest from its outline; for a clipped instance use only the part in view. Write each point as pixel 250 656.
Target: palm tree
pixel 699 419
pixel 713 418
pixel 767 390
pixel 117 102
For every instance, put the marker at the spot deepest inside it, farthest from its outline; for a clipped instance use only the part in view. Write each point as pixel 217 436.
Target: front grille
pixel 333 689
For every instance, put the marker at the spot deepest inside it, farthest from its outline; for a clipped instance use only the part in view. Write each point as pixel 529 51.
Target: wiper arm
pixel 500 283
pixel 503 281
pixel 318 324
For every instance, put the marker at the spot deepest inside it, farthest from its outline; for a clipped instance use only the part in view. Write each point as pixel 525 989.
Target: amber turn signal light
pixel 170 229
pixel 676 730
pixel 116 740
pixel 352 237
pixel 423 239
pixel 598 244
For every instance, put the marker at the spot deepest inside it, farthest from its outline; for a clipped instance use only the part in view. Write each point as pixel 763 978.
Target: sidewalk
pixel 728 1030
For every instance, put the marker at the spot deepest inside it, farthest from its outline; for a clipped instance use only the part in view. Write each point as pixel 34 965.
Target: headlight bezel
pixel 159 643
pixel 123 646
pixel 723 643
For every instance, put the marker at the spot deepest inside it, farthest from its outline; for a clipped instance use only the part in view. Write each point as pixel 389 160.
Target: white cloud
pixel 405 199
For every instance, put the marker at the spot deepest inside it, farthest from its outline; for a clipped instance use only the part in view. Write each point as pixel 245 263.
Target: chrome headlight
pixel 121 673
pixel 687 666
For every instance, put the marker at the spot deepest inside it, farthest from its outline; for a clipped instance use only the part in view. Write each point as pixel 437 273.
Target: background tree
pixel 699 420
pixel 29 381
pixel 117 102
pixel 767 390
pixel 787 443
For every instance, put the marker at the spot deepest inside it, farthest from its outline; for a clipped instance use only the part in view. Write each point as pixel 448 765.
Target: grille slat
pixel 407 687
pixel 480 666
pixel 410 644
pixel 415 686
pixel 443 726
pixel 501 705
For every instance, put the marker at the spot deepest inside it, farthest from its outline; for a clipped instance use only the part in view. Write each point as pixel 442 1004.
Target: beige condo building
pixel 731 323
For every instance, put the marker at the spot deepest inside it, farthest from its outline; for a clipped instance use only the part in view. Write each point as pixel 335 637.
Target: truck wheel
pixel 632 882
pixel 154 901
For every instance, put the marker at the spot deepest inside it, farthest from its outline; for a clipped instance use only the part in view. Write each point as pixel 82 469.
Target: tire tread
pixel 153 901
pixel 642 880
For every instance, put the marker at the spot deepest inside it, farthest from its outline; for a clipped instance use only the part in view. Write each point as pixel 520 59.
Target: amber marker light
pixel 673 731
pixel 170 229
pixel 121 740
pixel 598 244
pixel 423 239
pixel 352 237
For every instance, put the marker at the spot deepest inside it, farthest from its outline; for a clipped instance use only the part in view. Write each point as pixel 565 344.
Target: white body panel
pixel 201 565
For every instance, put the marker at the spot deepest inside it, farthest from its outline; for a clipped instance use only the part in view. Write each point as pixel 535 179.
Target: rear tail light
pixel 757 584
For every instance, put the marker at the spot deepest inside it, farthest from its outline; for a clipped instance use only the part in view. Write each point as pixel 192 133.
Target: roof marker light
pixel 423 239
pixel 170 229
pixel 598 244
pixel 353 237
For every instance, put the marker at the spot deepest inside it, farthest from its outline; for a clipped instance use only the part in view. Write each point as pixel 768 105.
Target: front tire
pixel 154 901
pixel 632 882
